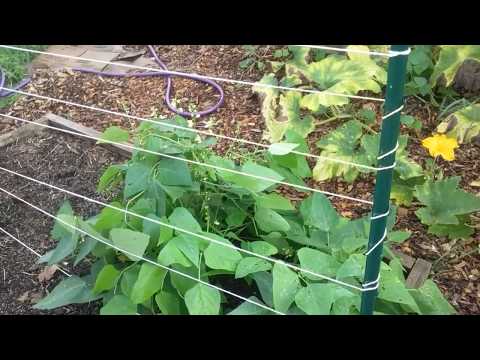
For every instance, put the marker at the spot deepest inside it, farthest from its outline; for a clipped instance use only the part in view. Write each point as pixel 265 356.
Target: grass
pixel 14 64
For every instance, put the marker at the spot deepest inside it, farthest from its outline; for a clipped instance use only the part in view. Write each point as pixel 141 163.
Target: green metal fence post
pixel 381 202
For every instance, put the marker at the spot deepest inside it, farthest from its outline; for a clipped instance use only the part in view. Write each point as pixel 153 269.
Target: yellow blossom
pixel 441 145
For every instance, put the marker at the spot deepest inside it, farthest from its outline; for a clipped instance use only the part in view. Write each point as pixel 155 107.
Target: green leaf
pixel 276 129
pixel 369 65
pixel 411 122
pixel 129 278
pixel 285 286
pixel 264 282
pixel 150 280
pixel 171 254
pixel 316 299
pixel 342 144
pixel 450 59
pixel 269 220
pixel 203 300
pixel 131 241
pixel 402 194
pixel 110 218
pixel 168 303
pixel 220 257
pixel 63 294
pixel 106 279
pixel 86 248
pixel 114 134
pixel 182 218
pixel 444 202
pixel 338 75
pixel 405 168
pixel 317 211
pixel 119 305
pixel 317 262
pixel 250 265
pixel 68 238
pixel 354 266
pixel 174 173
pixel 262 248
pixel 459 231
pixel 282 148
pixel 108 178
pixel 166 233
pixel 136 179
pixel 431 301
pixel 274 201
pixel 182 283
pixel 464 124
pixel 290 113
pixel 254 184
pixel 247 308
pixel 393 289
pixel 235 217
pixel 151 228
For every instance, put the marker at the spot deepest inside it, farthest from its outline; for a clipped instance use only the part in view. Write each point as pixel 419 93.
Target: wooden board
pixel 63 123
pixel 419 274
pixel 407 261
pixel 22 132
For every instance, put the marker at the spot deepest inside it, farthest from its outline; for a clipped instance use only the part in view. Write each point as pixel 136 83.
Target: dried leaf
pixel 47 273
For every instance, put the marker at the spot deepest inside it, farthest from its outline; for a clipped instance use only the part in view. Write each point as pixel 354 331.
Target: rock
pixel 468 77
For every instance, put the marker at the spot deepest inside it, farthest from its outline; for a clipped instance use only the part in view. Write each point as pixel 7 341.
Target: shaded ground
pixel 56 159
pixel 457 276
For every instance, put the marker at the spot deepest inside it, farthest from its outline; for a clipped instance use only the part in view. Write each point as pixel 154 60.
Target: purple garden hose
pixel 5 93
pixel 168 75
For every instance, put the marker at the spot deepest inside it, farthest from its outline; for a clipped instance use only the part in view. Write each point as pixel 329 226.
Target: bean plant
pixel 175 233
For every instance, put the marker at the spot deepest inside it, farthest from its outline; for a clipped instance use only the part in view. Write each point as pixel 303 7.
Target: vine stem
pixel 333 118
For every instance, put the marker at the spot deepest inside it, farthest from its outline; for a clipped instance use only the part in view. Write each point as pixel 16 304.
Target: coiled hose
pixel 164 72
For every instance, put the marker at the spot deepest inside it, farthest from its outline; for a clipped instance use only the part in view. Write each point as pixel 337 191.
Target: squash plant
pixel 231 213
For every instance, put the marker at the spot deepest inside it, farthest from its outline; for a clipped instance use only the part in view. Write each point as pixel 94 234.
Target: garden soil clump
pixel 60 160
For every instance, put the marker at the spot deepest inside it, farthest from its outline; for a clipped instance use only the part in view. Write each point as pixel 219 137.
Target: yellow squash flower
pixel 441 145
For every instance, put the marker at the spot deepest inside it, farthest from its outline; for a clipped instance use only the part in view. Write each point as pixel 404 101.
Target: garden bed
pixel 456 275
pixel 62 160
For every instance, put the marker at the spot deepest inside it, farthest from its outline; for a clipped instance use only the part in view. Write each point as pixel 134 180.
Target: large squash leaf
pixel 343 144
pixel 445 205
pixel 463 124
pixel 450 59
pixel 338 75
pixel 269 98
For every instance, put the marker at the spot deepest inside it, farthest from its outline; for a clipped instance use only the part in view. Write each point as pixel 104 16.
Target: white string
pixel 214 78
pixel 390 54
pixel 393 112
pixel 389 152
pixel 30 249
pixel 207 133
pixel 380 216
pixel 139 257
pixel 173 227
pixel 378 243
pixel 374 282
pixel 191 161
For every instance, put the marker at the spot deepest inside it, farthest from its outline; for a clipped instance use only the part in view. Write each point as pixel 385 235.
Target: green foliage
pixel 446 207
pixel 463 124
pixel 328 74
pixel 232 212
pixel 450 59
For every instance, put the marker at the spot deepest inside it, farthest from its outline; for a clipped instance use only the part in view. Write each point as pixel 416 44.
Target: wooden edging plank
pixel 406 260
pixel 63 123
pixel 418 274
pixel 22 132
